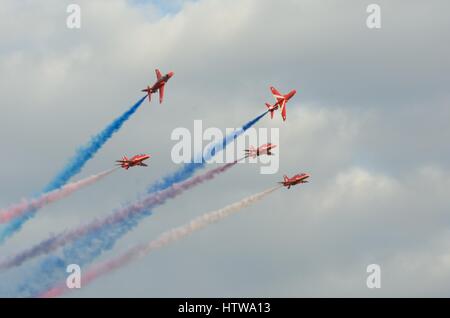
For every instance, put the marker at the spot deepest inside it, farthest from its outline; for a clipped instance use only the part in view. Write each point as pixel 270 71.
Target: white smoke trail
pixel 30 205
pixel 201 222
pixel 164 239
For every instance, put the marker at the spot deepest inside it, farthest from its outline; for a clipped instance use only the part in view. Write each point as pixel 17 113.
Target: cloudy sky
pixel 370 123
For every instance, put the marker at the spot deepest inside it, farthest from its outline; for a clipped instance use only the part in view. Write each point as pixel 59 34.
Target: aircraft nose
pixel 171 74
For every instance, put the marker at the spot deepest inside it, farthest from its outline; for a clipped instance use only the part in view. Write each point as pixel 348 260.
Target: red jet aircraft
pixel 158 86
pixel 137 160
pixel 281 102
pixel 298 178
pixel 262 150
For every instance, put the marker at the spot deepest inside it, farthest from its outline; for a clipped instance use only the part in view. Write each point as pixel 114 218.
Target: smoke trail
pixel 164 239
pixel 89 247
pixel 30 205
pixel 73 167
pixel 146 203
pixel 188 169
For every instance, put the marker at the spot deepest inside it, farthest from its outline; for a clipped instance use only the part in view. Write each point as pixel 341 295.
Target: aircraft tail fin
pixel 271 111
pixel 148 90
pixel 158 74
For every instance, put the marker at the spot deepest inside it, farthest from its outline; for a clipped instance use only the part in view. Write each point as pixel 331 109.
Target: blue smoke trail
pixel 189 169
pixel 85 250
pixel 73 167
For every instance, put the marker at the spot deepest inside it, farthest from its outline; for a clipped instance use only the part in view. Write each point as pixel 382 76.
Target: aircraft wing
pixel 275 91
pixel 283 109
pixel 278 96
pixel 158 74
pixel 161 94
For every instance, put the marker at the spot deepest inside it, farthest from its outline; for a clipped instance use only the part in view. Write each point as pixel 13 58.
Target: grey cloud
pixel 369 123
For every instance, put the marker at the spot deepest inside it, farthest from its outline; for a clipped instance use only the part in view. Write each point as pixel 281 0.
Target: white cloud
pixel 369 122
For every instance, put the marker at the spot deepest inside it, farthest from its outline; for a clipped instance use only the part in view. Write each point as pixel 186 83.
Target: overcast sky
pixel 370 123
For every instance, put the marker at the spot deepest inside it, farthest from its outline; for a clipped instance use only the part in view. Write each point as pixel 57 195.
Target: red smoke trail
pixel 30 205
pixel 164 239
pixel 148 202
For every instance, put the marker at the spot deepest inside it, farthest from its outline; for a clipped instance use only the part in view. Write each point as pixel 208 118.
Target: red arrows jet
pixel 281 102
pixel 262 150
pixel 298 178
pixel 158 86
pixel 137 160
